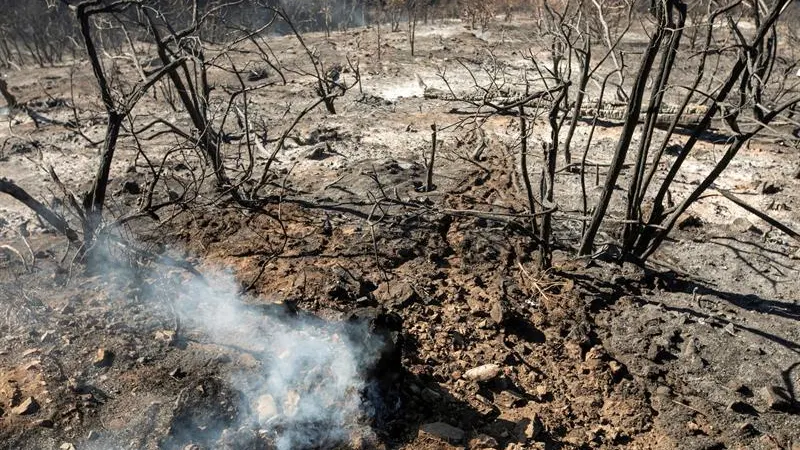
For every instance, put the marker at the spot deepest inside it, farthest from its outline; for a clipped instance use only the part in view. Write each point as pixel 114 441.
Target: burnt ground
pixel 700 349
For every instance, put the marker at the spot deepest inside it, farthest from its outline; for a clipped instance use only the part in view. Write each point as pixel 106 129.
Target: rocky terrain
pixel 358 311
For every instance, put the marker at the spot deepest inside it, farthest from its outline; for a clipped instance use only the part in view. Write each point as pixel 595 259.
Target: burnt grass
pixel 700 349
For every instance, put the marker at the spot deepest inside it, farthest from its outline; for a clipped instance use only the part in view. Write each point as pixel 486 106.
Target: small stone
pixel 485 372
pixel 247 361
pixel 542 390
pixel 266 408
pixel 663 391
pixel 398 295
pixel 482 442
pixel 66 446
pixel 475 305
pixel 102 358
pixel 742 225
pixel 617 369
pixel 28 406
pixel 531 428
pixel 497 313
pixel 167 336
pixel 177 373
pixel 777 398
pixel 443 431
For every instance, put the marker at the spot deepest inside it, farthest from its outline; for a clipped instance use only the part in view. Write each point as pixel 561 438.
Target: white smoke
pixel 306 391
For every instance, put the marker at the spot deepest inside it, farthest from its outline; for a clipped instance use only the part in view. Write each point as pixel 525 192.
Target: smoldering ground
pixel 295 381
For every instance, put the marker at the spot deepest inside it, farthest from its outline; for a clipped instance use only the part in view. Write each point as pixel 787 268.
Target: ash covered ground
pixel 330 319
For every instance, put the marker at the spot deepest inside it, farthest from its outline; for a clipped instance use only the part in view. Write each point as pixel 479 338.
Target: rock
pixel 177 373
pixel 103 358
pixel 167 336
pixel 482 442
pixel 730 329
pixel 529 429
pixel 777 398
pixel 131 187
pixel 266 408
pixel 617 369
pixel 664 391
pixel 475 305
pixel 28 406
pixel 485 372
pixel 66 446
pixel 397 295
pixel 443 431
pixel 248 361
pixel 742 225
pixel 691 354
pixel 498 312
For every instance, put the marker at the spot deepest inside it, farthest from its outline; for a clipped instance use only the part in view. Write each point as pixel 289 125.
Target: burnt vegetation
pixel 566 141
